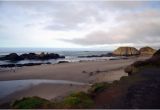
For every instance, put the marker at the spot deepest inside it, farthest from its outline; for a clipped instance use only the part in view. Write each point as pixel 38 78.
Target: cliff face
pixel 147 51
pixel 126 51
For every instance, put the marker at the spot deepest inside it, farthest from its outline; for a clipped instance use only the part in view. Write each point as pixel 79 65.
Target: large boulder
pixel 147 51
pixel 126 51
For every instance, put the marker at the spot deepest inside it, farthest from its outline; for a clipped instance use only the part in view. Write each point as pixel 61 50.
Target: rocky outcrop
pixel 147 51
pixel 157 53
pixel 102 55
pixel 11 57
pixel 31 56
pixel 126 51
pixel 42 56
pixel 154 61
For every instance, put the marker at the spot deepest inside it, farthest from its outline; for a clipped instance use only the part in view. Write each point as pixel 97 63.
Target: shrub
pixel 98 87
pixel 77 100
pixel 31 103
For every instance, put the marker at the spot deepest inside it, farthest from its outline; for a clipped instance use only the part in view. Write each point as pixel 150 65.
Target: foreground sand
pixel 86 72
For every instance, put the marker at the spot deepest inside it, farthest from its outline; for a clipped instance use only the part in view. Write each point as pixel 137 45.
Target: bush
pixel 77 100
pixel 98 87
pixel 31 103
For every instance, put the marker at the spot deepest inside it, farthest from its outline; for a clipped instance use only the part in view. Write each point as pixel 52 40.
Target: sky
pixel 79 24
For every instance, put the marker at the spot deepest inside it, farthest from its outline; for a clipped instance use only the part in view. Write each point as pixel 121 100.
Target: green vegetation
pixel 32 103
pixel 98 87
pixel 77 100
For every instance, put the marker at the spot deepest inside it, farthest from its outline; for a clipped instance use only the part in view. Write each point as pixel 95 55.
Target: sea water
pixel 70 55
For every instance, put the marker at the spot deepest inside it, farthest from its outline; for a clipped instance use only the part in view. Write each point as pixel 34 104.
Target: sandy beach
pixel 88 72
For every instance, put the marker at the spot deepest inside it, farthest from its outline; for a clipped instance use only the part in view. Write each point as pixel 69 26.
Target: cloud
pixel 69 15
pixel 92 22
pixel 138 28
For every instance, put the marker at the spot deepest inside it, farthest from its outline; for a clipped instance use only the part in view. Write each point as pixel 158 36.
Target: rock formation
pixel 31 56
pixel 11 57
pixel 147 51
pixel 126 51
pixel 157 53
pixel 154 61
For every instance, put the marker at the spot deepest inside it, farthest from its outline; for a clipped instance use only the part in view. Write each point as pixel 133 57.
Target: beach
pixel 87 72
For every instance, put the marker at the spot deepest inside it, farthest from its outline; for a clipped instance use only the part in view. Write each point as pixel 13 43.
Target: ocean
pixel 70 55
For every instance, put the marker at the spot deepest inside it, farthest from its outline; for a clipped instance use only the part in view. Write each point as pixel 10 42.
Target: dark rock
pixel 31 56
pixel 8 65
pixel 20 65
pixel 102 55
pixel 63 62
pixel 157 53
pixel 11 57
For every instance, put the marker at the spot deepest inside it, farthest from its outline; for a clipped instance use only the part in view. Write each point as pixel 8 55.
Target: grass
pixel 77 100
pixel 31 103
pixel 98 87
pixel 74 100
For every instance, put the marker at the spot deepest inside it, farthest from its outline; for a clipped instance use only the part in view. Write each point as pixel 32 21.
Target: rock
pixel 21 65
pixel 63 62
pixel 31 56
pixel 147 51
pixel 102 55
pixel 126 51
pixel 157 53
pixel 11 57
pixel 154 61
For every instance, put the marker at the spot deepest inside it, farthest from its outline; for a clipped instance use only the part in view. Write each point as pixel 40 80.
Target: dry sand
pixel 87 72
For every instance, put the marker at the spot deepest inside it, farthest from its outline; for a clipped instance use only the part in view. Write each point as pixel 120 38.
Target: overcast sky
pixel 81 24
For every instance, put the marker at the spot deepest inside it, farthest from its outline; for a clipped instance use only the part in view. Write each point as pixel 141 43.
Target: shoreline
pixel 86 72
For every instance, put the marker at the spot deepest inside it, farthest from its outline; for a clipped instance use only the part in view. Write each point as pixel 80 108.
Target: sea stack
pixel 147 51
pixel 126 51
